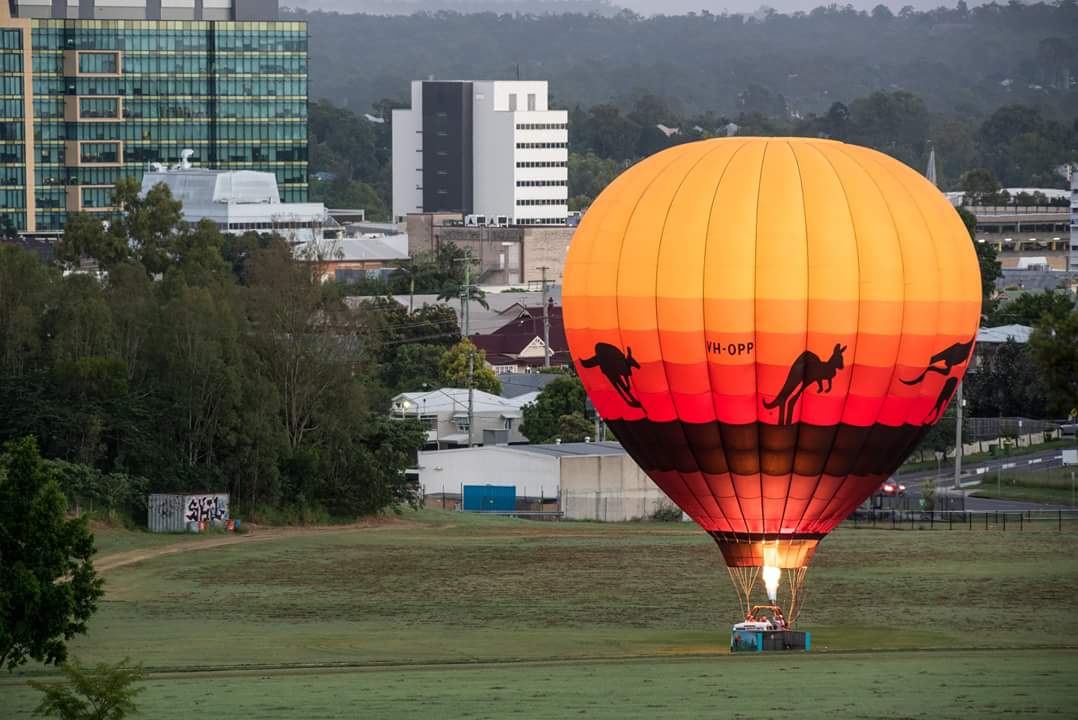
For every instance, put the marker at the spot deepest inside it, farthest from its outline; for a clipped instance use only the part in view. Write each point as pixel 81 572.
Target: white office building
pixel 482 148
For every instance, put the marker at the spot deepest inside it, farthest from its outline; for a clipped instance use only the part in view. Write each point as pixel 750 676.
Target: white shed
pixel 592 481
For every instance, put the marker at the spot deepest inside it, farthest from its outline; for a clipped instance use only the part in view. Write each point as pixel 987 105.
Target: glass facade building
pixel 105 98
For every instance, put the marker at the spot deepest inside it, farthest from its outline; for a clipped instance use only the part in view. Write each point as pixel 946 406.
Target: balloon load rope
pixel 744 579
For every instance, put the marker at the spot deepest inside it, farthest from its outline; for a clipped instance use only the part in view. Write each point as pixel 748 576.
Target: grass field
pixel 484 617
pixel 1043 486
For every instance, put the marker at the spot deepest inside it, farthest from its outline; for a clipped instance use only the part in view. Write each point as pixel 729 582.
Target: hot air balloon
pixel 769 325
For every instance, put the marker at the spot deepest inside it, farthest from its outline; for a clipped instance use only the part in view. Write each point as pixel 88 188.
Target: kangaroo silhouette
pixel 617 367
pixel 808 368
pixel 944 396
pixel 950 357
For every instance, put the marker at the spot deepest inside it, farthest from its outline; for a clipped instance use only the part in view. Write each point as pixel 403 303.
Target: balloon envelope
pixel 769 325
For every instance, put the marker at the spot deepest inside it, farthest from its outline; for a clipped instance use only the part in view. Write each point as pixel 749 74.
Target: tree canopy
pixel 48 586
pixel 200 362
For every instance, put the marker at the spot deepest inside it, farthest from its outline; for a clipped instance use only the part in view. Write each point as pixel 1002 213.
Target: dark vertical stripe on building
pixel 447 147
pixel 86 9
pixel 198 9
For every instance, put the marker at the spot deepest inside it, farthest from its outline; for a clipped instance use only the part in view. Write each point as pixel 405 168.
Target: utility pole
pixel 958 438
pixel 471 396
pixel 930 173
pixel 546 321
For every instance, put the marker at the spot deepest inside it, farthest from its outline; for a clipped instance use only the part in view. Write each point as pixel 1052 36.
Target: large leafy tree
pixel 48 586
pixel 1055 350
pixel 455 364
pixel 564 398
pixel 1029 308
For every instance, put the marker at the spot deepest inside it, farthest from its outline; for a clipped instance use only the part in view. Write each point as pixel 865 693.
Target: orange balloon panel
pixel 769 324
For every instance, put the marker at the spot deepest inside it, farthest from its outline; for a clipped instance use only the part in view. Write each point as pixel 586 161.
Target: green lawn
pixel 445 588
pixel 894 685
pixel 1044 486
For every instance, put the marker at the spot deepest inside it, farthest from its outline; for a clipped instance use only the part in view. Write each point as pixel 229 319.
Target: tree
pixel 543 418
pixel 980 185
pixel 987 259
pixel 104 692
pixel 574 427
pixel 1029 308
pixel 85 236
pixel 414 366
pixel 48 586
pixel 454 368
pixel 1007 383
pixel 1055 350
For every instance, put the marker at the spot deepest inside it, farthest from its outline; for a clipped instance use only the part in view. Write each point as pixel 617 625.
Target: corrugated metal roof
pixel 1003 333
pixel 577 448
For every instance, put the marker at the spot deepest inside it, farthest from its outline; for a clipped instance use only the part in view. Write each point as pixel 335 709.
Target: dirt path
pixel 115 560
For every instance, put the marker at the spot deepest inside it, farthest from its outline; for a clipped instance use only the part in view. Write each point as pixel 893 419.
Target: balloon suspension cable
pixel 795 584
pixel 744 579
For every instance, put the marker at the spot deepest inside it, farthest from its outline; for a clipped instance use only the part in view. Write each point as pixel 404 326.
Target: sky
pixel 668 7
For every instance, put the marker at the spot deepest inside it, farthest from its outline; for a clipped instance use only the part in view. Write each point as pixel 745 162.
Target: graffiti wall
pixel 204 508
pixel 171 513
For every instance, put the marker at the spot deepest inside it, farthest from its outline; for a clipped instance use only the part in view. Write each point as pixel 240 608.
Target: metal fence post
pixel 1021 522
pixel 1004 522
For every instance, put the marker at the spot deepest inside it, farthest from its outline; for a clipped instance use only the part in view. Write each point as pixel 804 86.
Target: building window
pixel 541 183
pixel 540 202
pixel 535 164
pixel 540 145
pixel 542 126
pixel 531 102
pixel 99 108
pixel 513 102
pixel 99 63
pixel 99 152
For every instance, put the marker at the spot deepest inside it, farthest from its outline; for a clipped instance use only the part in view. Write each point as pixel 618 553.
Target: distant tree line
pixel 1014 146
pixel 963 61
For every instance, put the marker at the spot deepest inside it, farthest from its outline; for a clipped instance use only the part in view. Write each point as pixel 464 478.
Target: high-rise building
pixel 94 90
pixel 490 148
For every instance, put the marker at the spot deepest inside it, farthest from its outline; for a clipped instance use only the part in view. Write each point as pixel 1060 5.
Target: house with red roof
pixel 517 346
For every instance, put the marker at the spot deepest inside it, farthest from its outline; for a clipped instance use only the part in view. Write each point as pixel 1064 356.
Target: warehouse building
pixel 590 481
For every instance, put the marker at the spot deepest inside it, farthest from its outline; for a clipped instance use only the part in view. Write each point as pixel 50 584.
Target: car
pixel 892 488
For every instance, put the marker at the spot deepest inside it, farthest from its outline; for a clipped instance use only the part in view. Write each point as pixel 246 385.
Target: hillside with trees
pixel 966 61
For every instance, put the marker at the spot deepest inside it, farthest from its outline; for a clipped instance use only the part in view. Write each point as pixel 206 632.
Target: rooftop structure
pixel 491 150
pixel 238 201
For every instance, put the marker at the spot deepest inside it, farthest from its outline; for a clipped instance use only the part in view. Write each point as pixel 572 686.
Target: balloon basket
pixel 759 641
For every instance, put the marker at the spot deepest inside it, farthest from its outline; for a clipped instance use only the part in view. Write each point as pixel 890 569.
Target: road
pixel 974 472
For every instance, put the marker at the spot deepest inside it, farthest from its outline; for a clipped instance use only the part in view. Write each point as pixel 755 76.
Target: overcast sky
pixel 651 7
pixel 674 7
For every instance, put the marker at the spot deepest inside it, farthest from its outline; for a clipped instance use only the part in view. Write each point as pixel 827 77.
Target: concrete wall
pixel 546 246
pixel 611 488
